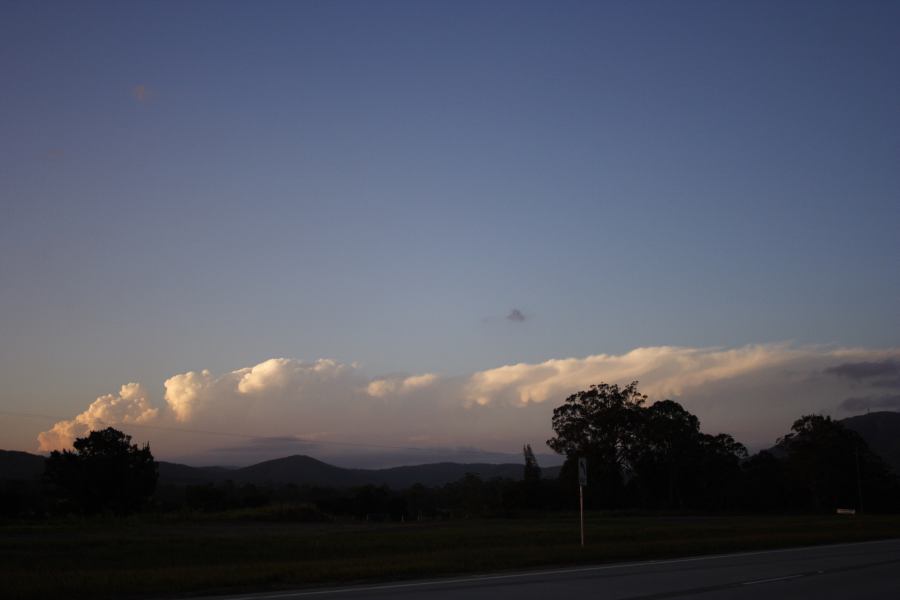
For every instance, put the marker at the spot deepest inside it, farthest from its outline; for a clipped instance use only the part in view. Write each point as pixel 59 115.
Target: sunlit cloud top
pixel 754 392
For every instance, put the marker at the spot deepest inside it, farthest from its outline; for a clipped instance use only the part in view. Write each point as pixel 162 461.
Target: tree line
pixel 656 457
pixel 639 455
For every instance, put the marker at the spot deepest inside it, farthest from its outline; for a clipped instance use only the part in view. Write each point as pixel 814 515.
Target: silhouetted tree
pixel 471 490
pixel 652 456
pixel 529 492
pixel 105 472
pixel 420 502
pixel 599 424
pixel 373 502
pixel 664 452
pixel 718 471
pixel 206 497
pixel 832 465
pixel 532 468
pixel 762 487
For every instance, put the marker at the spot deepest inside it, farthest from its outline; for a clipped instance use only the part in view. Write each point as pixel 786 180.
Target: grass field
pixel 154 556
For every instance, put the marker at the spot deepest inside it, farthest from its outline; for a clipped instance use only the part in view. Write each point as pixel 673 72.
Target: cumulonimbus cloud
pixel 753 392
pixel 663 371
pixel 130 405
pixel 882 373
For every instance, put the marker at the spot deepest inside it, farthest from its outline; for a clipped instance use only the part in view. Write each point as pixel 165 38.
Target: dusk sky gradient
pixel 208 185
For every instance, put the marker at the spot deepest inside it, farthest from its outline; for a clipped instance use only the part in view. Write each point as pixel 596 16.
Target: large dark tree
pixel 652 456
pixel 678 466
pixel 762 486
pixel 106 472
pixel 718 471
pixel 831 466
pixel 599 424
pixel 665 453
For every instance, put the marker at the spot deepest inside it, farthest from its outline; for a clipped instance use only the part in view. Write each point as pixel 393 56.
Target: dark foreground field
pixel 147 556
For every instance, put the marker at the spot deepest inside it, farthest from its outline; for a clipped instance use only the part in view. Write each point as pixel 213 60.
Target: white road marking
pixel 771 579
pixel 474 579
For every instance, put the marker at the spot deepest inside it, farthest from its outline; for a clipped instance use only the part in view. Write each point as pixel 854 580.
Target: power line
pixel 224 433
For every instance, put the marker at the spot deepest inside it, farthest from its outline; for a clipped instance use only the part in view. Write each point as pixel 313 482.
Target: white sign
pixel 582 471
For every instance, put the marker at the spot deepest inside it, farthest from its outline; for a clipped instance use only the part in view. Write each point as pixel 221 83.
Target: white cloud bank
pixel 753 392
pixel 129 406
pixel 381 388
pixel 663 371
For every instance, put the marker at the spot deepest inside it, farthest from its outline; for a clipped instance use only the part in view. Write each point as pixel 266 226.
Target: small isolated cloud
pixel 870 402
pixel 883 373
pixel 142 93
pixel 516 316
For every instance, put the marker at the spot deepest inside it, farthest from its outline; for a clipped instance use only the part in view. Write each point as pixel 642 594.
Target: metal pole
pixel 858 481
pixel 581 507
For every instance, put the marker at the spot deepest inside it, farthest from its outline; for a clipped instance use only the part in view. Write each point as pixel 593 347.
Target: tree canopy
pixel 654 456
pixel 105 472
pixel 830 466
pixel 532 470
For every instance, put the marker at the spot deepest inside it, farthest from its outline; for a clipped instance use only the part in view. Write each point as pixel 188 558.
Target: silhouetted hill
pixel 298 469
pixel 24 466
pixel 177 474
pixel 881 430
pixel 20 466
pixel 302 470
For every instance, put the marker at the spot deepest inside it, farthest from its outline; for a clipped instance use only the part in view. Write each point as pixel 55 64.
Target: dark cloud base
pixel 885 373
pixel 516 316
pixel 870 402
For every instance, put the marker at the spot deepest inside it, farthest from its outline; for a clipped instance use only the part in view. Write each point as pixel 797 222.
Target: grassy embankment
pixel 153 556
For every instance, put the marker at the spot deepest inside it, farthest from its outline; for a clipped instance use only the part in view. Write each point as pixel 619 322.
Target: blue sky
pixel 191 185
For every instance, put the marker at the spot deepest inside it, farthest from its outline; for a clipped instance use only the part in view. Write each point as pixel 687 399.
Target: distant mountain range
pixel 305 470
pixel 881 430
pixel 20 466
pixel 299 470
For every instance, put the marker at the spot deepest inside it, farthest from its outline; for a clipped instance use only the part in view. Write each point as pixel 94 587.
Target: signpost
pixel 582 482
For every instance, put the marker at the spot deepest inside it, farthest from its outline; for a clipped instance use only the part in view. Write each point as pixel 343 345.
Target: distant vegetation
pixel 640 456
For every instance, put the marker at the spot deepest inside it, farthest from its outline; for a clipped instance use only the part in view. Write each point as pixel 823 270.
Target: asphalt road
pixel 852 571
